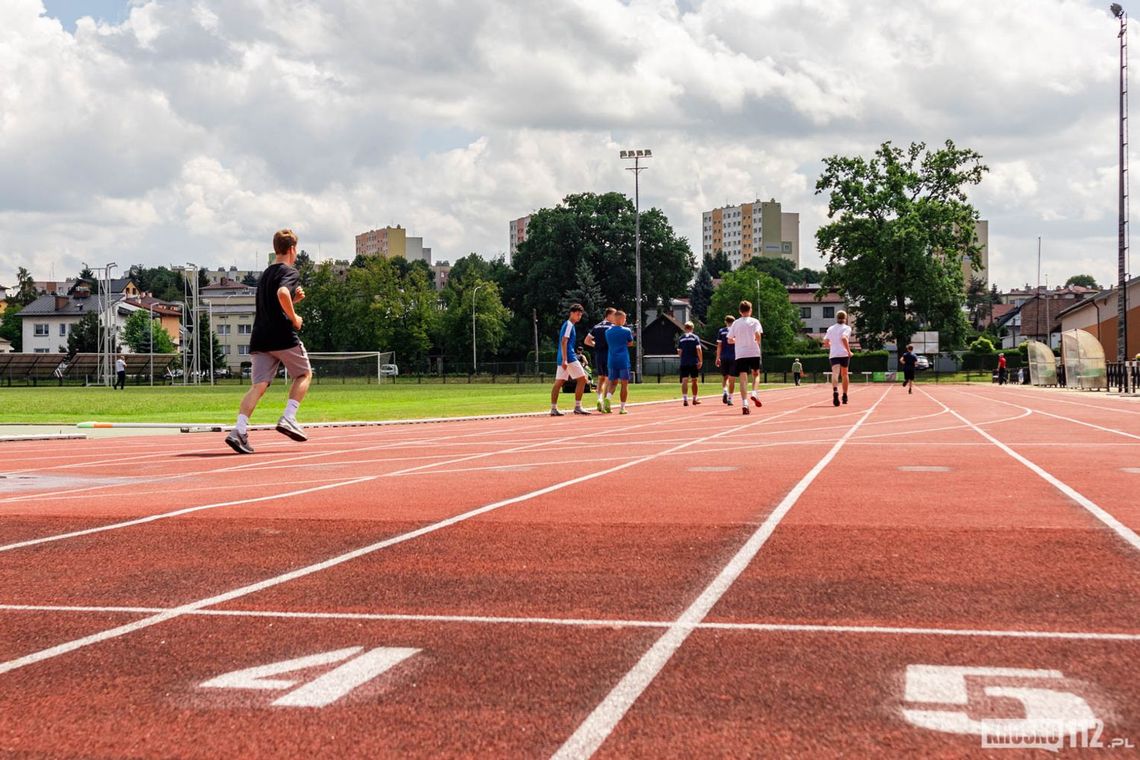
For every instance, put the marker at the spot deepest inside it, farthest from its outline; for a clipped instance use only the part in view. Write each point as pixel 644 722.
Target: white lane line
pixel 1054 416
pixel 179 512
pixel 1096 511
pixel 1048 392
pixel 170 614
pixel 600 723
pixel 396 617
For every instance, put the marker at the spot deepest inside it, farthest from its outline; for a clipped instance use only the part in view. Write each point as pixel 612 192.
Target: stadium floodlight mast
pixel 637 169
pixel 1122 218
pixel 474 360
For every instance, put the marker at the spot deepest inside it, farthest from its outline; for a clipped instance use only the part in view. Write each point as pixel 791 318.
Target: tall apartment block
pixel 518 233
pixel 761 228
pixel 392 241
pixel 982 230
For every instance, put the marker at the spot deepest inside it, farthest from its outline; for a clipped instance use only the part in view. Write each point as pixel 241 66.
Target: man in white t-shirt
pixel 744 336
pixel 120 374
pixel 838 344
pixel 569 368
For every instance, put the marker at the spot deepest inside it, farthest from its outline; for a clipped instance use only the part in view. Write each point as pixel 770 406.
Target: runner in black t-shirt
pixel 274 342
pixel 908 361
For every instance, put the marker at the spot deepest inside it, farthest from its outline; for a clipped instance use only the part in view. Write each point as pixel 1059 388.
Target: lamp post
pixel 109 334
pixel 1122 217
pixel 637 169
pixel 150 313
pixel 474 361
pixel 210 323
pixel 194 306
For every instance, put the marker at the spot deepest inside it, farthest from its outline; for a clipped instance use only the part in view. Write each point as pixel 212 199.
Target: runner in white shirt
pixel 838 344
pixel 744 335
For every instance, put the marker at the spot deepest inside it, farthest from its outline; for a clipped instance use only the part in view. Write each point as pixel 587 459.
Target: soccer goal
pixel 353 366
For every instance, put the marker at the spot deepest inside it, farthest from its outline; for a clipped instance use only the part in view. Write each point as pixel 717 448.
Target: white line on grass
pixel 186 609
pixel 600 723
pixel 592 622
pixel 1096 511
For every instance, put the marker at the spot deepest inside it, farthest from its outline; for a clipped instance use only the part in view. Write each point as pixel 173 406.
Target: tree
pixel 770 304
pixel 84 335
pixel 161 282
pixel 977 301
pixel 1084 280
pixel 491 318
pixel 586 292
pixel 701 294
pixel 12 327
pixel 717 263
pixel 780 268
pixel 901 228
pixel 600 230
pixel 250 279
pixel 26 291
pixel 809 276
pixel 138 332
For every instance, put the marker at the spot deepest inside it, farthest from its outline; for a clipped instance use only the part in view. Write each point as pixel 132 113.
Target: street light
pixel 637 169
pixel 474 361
pixel 150 322
pixel 1122 218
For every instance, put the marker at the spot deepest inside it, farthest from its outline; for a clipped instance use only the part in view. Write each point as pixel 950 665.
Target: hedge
pixel 861 361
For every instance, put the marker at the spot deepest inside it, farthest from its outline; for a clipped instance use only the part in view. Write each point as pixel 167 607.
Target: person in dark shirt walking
pixel 689 349
pixel 726 360
pixel 596 340
pixel 274 342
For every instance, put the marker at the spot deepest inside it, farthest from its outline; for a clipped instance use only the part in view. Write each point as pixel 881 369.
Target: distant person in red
pixel 1001 369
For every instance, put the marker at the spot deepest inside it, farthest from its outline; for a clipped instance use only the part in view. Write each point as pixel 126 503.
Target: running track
pixel 896 576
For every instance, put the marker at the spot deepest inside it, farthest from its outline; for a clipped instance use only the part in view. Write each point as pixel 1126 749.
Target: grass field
pixel 326 402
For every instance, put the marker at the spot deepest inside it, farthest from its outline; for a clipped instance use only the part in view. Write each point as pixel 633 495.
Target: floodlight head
pixel 624 153
pixel 1116 9
pixel 649 154
pixel 640 153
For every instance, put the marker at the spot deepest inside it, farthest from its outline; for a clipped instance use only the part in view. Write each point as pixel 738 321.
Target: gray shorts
pixel 265 363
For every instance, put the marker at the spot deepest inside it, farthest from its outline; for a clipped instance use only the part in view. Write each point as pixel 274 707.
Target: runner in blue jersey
pixel 596 339
pixel 726 360
pixel 692 357
pixel 618 340
pixel 568 365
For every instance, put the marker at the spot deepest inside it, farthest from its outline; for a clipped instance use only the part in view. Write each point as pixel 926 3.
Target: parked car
pixel 922 363
pixel 389 370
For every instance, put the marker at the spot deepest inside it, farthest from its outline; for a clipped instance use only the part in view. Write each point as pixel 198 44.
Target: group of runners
pixel 275 342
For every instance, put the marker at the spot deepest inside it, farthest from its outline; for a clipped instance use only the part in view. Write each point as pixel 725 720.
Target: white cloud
pixel 195 128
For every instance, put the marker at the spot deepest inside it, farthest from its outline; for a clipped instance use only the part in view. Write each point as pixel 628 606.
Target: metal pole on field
pixel 150 313
pixel 637 169
pixel 109 333
pixel 474 359
pixel 210 320
pixel 1122 218
pixel 537 368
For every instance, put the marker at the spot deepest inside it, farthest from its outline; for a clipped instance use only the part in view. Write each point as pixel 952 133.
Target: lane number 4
pixel 358 668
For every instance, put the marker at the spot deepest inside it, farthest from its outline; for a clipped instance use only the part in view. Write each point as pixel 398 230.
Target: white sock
pixel 553 406
pixel 577 404
pixel 610 394
pixel 291 408
pixel 242 425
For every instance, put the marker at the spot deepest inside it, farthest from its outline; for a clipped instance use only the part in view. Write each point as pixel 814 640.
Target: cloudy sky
pixel 167 131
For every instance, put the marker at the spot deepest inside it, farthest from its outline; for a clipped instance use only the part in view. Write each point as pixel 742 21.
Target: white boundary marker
pixel 1095 510
pixel 600 723
pixel 981 397
pixel 594 622
pixel 186 609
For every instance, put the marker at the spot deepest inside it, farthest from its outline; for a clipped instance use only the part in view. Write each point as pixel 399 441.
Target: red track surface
pixel 785 572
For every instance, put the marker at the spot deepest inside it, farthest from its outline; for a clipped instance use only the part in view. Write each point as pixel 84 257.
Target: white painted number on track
pixel 360 668
pixel 1048 708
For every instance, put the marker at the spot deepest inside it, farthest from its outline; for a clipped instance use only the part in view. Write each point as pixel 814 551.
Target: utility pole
pixel 637 169
pixel 1122 216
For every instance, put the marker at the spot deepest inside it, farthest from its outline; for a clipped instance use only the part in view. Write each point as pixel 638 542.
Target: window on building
pixel 223 329
pixel 805 312
pixel 63 330
pixel 226 349
pixel 829 312
pixel 41 331
pixel 41 351
pixel 243 350
pixel 245 329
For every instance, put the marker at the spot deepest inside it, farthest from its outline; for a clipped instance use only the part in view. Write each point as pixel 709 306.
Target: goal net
pixel 352 366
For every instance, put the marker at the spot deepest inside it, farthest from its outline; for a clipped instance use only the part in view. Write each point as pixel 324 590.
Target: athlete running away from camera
pixel 744 336
pixel 618 339
pixel 569 368
pixel 726 360
pixel 596 340
pixel 274 342
pixel 692 357
pixel 837 341
pixel 908 361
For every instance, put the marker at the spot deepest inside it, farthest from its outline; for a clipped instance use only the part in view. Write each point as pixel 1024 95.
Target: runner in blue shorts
pixel 618 340
pixel 596 339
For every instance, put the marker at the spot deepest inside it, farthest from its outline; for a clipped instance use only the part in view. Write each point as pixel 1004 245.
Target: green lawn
pixel 326 402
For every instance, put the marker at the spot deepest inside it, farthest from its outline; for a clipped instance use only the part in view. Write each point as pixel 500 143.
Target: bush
pixel 862 361
pixel 982 345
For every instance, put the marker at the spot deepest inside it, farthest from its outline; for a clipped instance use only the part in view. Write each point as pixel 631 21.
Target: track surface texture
pixel 945 574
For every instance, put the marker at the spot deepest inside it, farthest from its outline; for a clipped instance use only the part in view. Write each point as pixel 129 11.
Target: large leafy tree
pixel 901 226
pixel 165 284
pixel 146 336
pixel 770 304
pixel 600 230
pixel 491 318
pixel 1085 280
pixel 717 263
pixel 11 326
pixel 26 291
